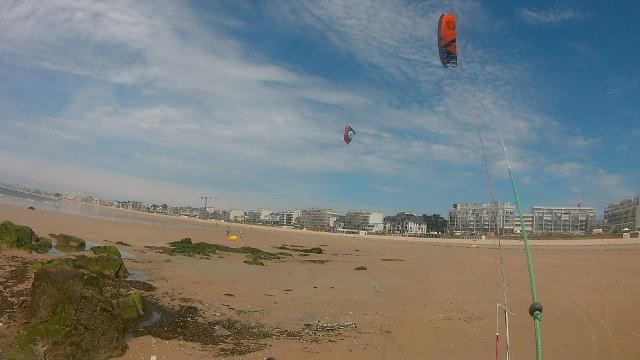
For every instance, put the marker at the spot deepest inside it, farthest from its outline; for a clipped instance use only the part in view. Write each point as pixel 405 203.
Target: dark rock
pixel 68 317
pixel 31 208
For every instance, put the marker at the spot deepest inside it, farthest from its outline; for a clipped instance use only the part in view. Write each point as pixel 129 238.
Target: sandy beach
pixel 425 299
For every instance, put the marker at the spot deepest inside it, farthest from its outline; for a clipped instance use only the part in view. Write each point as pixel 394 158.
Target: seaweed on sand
pixel 315 250
pixel 188 248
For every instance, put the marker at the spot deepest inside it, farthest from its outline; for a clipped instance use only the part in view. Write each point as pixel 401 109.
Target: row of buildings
pixel 408 224
pixel 503 218
pixel 464 218
pixel 327 219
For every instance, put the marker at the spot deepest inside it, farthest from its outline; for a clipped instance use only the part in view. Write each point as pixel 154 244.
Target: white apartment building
pixel 288 218
pixel 258 216
pixel 624 214
pixel 232 215
pixel 570 220
pixel 484 218
pixel 405 223
pixel 318 218
pixel 363 220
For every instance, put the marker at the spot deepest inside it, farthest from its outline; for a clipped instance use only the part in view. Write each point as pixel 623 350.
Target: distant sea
pixel 40 203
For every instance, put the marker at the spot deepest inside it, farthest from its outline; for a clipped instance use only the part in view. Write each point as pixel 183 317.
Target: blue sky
pixel 168 101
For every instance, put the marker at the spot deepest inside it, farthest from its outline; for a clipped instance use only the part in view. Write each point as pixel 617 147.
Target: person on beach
pixel 228 229
pixel 241 232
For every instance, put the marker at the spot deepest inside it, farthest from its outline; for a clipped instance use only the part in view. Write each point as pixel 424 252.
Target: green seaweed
pixel 187 248
pixel 42 245
pixel 315 250
pixel 22 237
pixel 254 262
pixel 111 251
pixel 53 328
pixel 103 266
pixel 131 306
pixel 67 243
pixel 361 268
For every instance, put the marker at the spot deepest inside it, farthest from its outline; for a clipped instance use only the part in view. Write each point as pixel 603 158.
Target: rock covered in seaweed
pixel 131 306
pixel 68 317
pixel 111 251
pixel 22 237
pixel 68 243
pixel 104 266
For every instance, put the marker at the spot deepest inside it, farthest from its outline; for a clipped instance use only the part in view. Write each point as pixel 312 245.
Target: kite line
pixel 447 49
pixel 499 246
pixel 535 309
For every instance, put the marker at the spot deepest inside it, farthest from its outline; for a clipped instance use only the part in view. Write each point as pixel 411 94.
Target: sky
pixel 247 101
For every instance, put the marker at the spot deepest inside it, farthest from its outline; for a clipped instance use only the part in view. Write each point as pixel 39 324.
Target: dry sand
pixel 416 300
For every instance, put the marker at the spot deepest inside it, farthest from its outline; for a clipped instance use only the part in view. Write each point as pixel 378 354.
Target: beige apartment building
pixel 363 220
pixel 318 218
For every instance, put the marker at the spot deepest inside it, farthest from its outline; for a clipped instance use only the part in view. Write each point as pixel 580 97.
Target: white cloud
pixel 583 49
pixel 566 170
pixel 551 15
pixel 387 189
pixel 624 86
pixel 582 142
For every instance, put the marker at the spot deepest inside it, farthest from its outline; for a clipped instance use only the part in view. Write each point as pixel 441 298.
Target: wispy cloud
pixel 583 142
pixel 387 189
pixel 553 15
pixel 565 170
pixel 622 87
pixel 582 49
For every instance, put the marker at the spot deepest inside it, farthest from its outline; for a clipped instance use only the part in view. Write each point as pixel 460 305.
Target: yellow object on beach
pixel 233 238
pixel 474 246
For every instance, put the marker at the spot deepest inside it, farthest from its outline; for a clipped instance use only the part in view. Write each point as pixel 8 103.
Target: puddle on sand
pixel 54 251
pixel 155 317
pixel 136 275
pixel 87 246
pixel 152 319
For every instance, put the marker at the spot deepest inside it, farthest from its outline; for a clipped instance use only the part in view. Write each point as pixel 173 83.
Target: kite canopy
pixel 447 40
pixel 348 134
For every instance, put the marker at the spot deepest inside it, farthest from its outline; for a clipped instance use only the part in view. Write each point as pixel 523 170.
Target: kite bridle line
pixel 535 309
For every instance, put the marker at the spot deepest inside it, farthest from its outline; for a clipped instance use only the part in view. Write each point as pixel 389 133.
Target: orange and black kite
pixel 348 134
pixel 447 40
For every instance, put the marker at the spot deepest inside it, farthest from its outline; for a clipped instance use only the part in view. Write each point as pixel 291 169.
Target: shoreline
pixel 30 193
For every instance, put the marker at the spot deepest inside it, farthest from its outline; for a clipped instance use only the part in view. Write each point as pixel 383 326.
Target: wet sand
pixel 425 299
